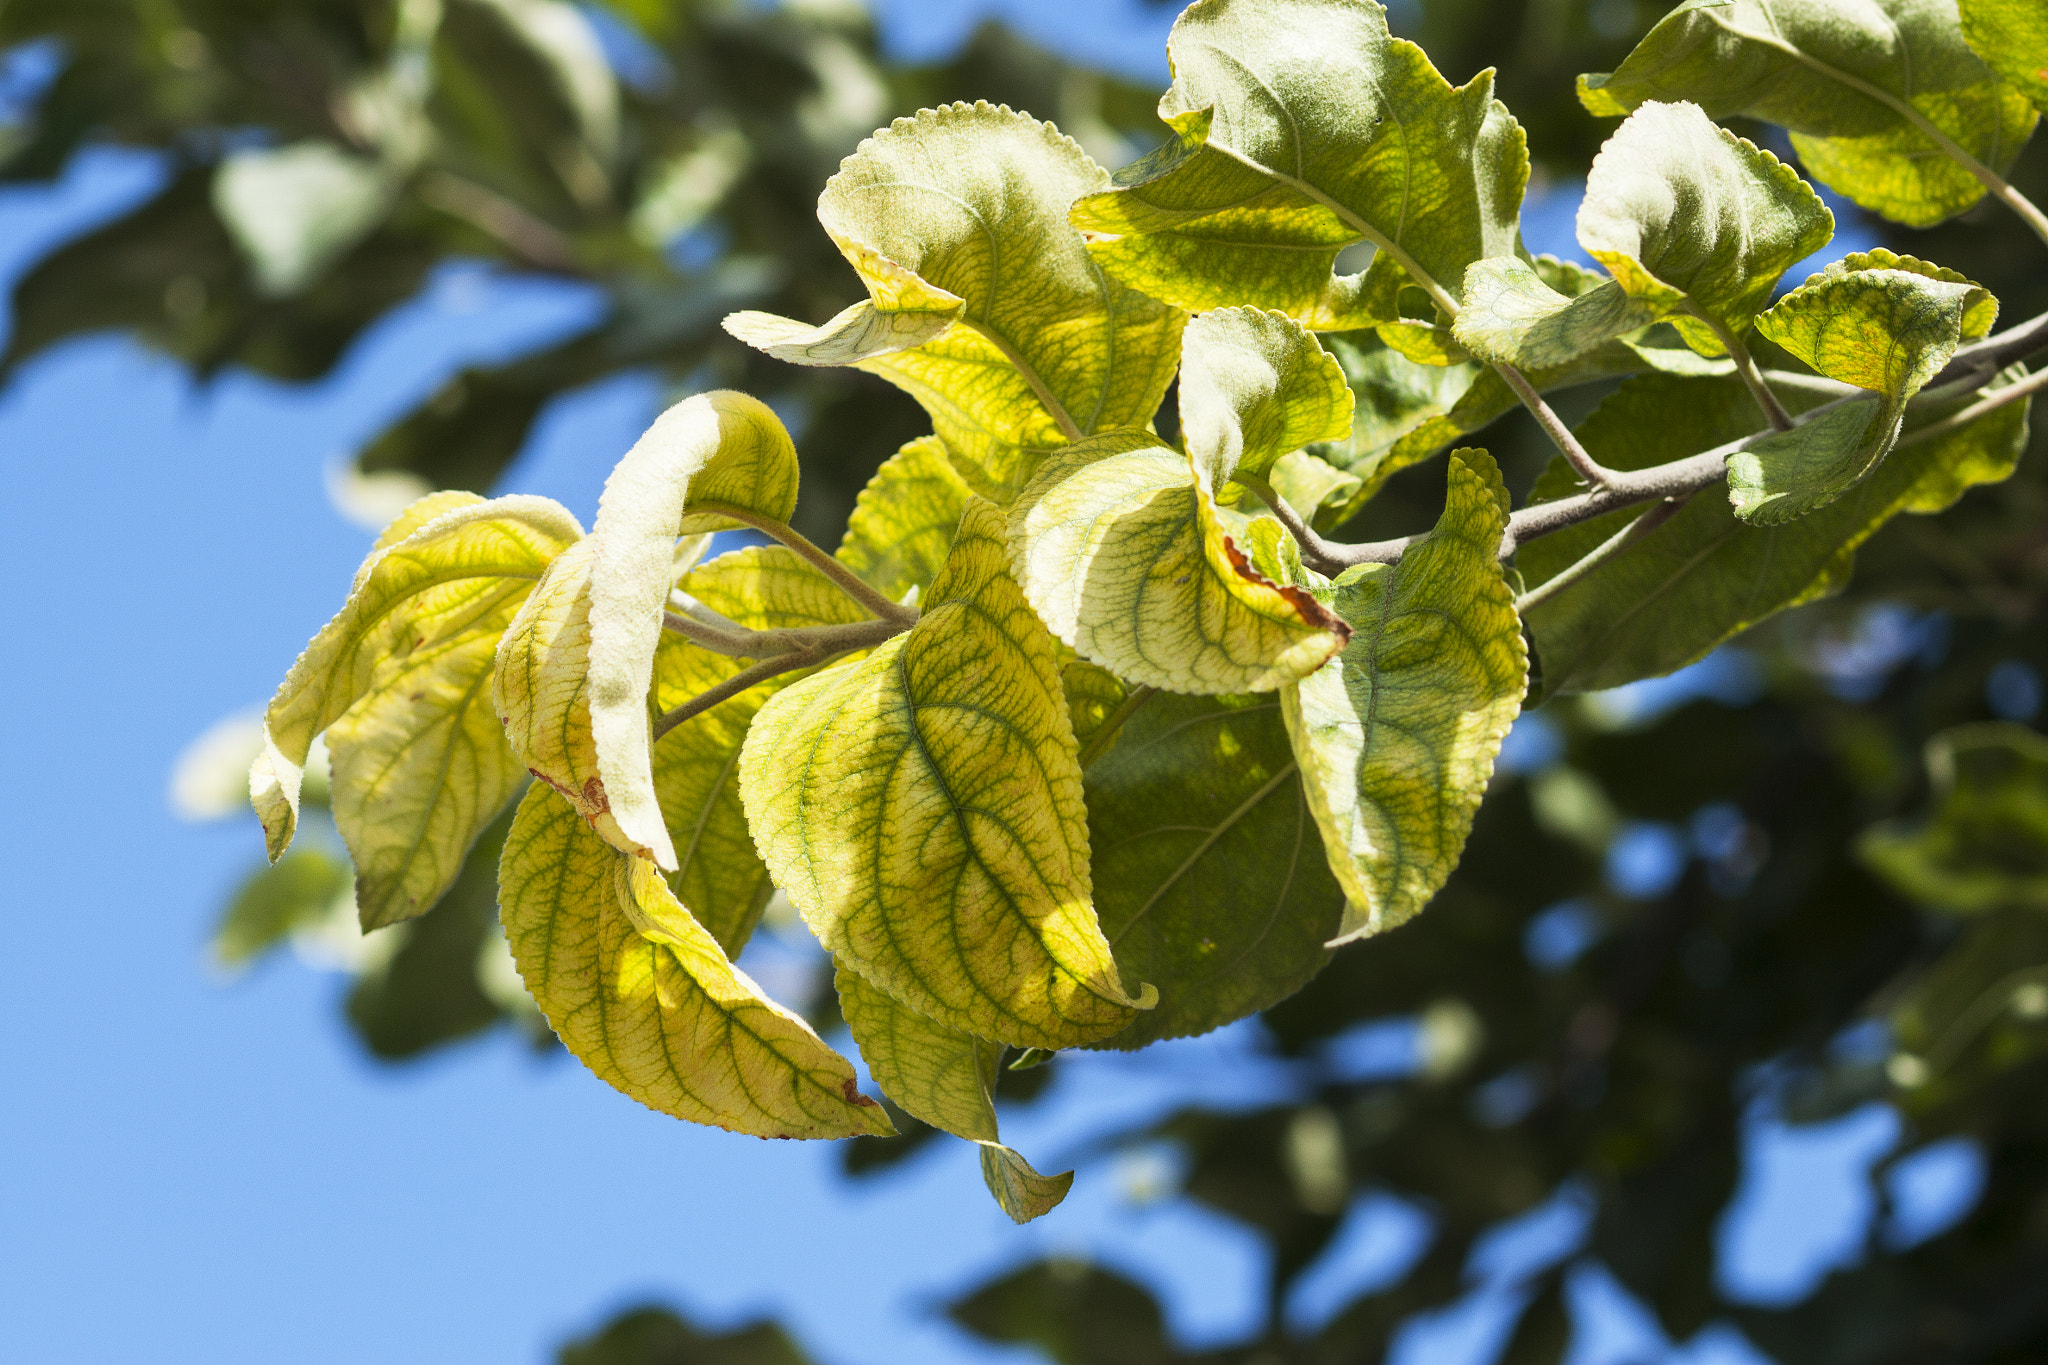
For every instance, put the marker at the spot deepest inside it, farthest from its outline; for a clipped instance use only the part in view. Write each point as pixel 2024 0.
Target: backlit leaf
pixel 1209 871
pixel 1396 736
pixel 639 991
pixel 299 890
pixel 1705 575
pixel 1984 843
pixel 1884 323
pixel 922 807
pixel 423 616
pixel 713 451
pixel 1301 127
pixel 1255 386
pixel 1126 556
pixel 2012 38
pixel 903 523
pixel 983 303
pixel 1022 1191
pixel 1869 92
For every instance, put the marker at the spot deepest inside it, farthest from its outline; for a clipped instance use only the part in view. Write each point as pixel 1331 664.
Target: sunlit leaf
pixel 295 210
pixel 2012 38
pixel 1705 575
pixel 1983 845
pixel 300 889
pixel 903 524
pixel 1022 1191
pixel 1255 386
pixel 1884 323
pixel 644 997
pixel 1301 127
pixel 922 808
pixel 1869 91
pixel 1209 871
pixel 1396 736
pixel 983 303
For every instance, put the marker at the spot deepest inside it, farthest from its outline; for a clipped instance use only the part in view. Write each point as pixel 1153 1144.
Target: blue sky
pixel 207 1171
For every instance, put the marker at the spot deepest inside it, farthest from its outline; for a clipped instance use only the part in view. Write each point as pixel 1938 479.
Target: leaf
pixel 1983 844
pixel 300 889
pixel 1313 486
pixel 1209 874
pixel 642 995
pixel 421 612
pixel 1301 127
pixel 2011 36
pixel 1705 575
pixel 656 1336
pixel 1022 1191
pixel 296 210
pixel 696 765
pixel 983 303
pixel 1255 386
pixel 1396 736
pixel 1688 217
pixel 722 450
pixel 1886 324
pixel 1870 93
pixel 922 808
pixel 903 523
pixel 1122 550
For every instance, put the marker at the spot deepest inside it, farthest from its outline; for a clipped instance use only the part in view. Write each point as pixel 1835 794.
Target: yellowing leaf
pixel 1209 871
pixel 422 617
pixel 1870 92
pixel 1885 324
pixel 984 305
pixel 1255 386
pixel 2012 38
pixel 902 525
pixel 1126 557
pixel 711 452
pixel 1301 127
pixel 644 997
pixel 1023 1192
pixel 1396 736
pixel 696 765
pixel 922 808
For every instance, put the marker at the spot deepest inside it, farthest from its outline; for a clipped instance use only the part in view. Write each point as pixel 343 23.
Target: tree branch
pixel 1553 426
pixel 845 579
pixel 785 651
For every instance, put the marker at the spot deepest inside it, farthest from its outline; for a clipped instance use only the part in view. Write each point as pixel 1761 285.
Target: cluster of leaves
pixel 956 746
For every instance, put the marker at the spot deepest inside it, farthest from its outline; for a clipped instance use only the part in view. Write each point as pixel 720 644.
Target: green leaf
pixel 922 808
pixel 1881 97
pixel 722 450
pixel 903 523
pixel 718 874
pixel 1885 324
pixel 1209 874
pixel 644 997
pixel 1255 386
pixel 422 618
pixel 656 1336
pixel 1396 736
pixel 1022 1191
pixel 2012 38
pixel 1314 487
pixel 1705 575
pixel 983 303
pixel 1301 127
pixel 299 890
pixel 294 211
pixel 1124 553
pixel 946 1078
pixel 1983 845
pixel 1689 218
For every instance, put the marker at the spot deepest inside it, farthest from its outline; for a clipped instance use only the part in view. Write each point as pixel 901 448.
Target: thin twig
pixel 1315 551
pixel 799 648
pixel 1613 545
pixel 739 643
pixel 1986 356
pixel 845 579
pixel 1553 426
pixel 1991 402
pixel 733 686
pixel 1745 366
pixel 1105 733
pixel 534 240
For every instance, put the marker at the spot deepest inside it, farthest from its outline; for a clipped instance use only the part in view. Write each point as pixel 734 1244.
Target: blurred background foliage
pixel 1782 883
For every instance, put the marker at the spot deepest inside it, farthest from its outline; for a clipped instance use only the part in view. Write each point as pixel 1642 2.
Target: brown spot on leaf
pixel 594 797
pixel 852 1093
pixel 1311 612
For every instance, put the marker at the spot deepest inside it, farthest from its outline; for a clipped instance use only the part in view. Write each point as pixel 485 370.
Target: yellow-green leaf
pixel 1396 736
pixel 1301 127
pixel 2012 38
pixel 1869 91
pixel 1022 1191
pixel 444 590
pixel 922 807
pixel 696 765
pixel 1125 555
pixel 1255 386
pixel 1511 317
pixel 639 991
pixel 1209 871
pixel 1886 324
pixel 722 450
pixel 903 523
pixel 984 305
pixel 1984 843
